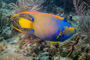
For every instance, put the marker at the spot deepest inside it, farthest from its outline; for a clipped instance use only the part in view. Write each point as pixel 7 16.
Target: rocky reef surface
pixel 30 48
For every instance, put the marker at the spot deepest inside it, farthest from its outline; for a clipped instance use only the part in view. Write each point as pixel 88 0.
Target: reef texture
pixel 31 48
pixel 11 56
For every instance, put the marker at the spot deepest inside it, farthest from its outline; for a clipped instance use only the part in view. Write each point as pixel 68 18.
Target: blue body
pixel 61 24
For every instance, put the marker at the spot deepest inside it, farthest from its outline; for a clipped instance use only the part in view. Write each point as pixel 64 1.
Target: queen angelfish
pixel 45 26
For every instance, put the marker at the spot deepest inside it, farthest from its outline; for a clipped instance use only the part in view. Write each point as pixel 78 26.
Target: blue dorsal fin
pixel 32 18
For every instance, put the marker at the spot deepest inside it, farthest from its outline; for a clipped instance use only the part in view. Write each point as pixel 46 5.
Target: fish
pixel 44 26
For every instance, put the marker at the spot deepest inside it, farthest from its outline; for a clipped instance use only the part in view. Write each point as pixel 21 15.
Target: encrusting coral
pixel 2 46
pixel 11 56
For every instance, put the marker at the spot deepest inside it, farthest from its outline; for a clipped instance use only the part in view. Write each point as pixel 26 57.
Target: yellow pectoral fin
pixel 24 23
pixel 54 42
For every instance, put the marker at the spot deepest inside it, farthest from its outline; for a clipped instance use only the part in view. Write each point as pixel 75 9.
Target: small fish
pixel 44 26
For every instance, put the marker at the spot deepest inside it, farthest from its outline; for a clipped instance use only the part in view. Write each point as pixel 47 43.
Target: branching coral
pixel 83 11
pixel 27 46
pixel 26 5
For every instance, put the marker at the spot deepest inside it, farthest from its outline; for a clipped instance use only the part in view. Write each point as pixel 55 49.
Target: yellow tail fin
pixel 24 23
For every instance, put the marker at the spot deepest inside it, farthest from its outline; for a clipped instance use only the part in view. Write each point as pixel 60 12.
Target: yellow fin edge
pixel 21 31
pixel 54 42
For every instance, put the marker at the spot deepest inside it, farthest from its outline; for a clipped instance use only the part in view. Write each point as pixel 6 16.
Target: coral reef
pixel 11 56
pixel 5 24
pixel 29 48
pixel 23 5
pixel 83 11
pixel 4 17
pixel 36 49
pixel 2 46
